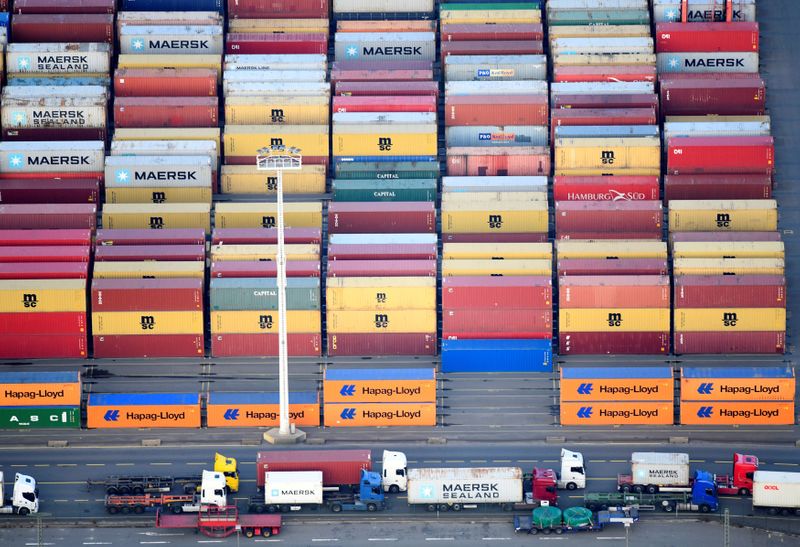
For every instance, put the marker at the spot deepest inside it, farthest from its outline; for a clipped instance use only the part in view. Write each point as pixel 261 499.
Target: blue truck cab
pixel 704 492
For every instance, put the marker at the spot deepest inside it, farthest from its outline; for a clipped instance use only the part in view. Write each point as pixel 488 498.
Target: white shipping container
pixel 776 489
pixel 167 148
pixel 195 40
pixel 606 44
pixel 492 136
pixel 293 487
pixel 715 61
pixel 716 129
pixel 605 59
pixel 382 6
pixel 158 171
pixel 381 239
pixel 495 67
pixel 494 184
pixel 58 58
pixel 660 468
pixel 703 11
pixel 52 157
pixel 601 88
pixel 261 89
pixel 383 46
pixel 605 131
pixel 308 61
pixel 54 112
pixel 619 31
pixel 383 118
pixel 273 76
pixel 465 485
pixel 495 88
pixel 28 92
pixel 556 5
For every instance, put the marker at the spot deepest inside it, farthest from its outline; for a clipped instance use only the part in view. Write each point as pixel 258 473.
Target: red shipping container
pixel 146 295
pixel 165 82
pixel 699 187
pixel 533 322
pixel 640 100
pixel 64 6
pixel 516 335
pixel 278 9
pixel 42 215
pixel 49 190
pixel 730 291
pixel 264 236
pixel 421 251
pixel 71 253
pixel 384 75
pixel 166 112
pixel 116 253
pixel 500 47
pixel 739 155
pixel 382 344
pixel 618 266
pixel 62 28
pixel 706 95
pixel 703 37
pixel 381 217
pixel 614 291
pixel 144 346
pixel 43 346
pixel 262 43
pixel 480 292
pixel 725 236
pixel 338 467
pixel 613 343
pixel 610 188
pixel 54 134
pixel 45 270
pixel 265 345
pixel 43 323
pixel 602 116
pixel 609 216
pixel 491 32
pixel 604 73
pixel 730 342
pixel 10 238
pixel 173 236
pixel 530 237
pixel 387 88
pixel 236 268
pixel 492 162
pixel 461 110
pixel 382 268
pixel 411 103
pixel 54 175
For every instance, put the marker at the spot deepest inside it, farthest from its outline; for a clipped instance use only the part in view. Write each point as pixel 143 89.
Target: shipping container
pixel 496 356
pixel 735 384
pixel 303 268
pixel 621 266
pixel 262 294
pixel 725 236
pixel 623 156
pixel 245 409
pixel 271 44
pixel 614 188
pixel 494 47
pixel 495 217
pixel 617 384
pixel 382 252
pixel 489 267
pixel 339 467
pixel 616 413
pixel 64 6
pixel 734 291
pixel 42 253
pixel 706 37
pixel 730 342
pixel 717 155
pixel 42 295
pixel 58 58
pixel 353 293
pixel 172 5
pixel 705 62
pixel 33 238
pixel 411 343
pixel 503 161
pixel 264 321
pixel 519 87
pixel 279 25
pixel 713 127
pixel 138 269
pixel 604 73
pixel 487 110
pixel 265 345
pixel 616 291
pixel 611 250
pixel 708 95
pixel 455 32
pixel 23 158
pixel 730 319
pixel 609 216
pixel 614 320
pixel 494 323
pixel 48 216
pixel 45 270
pixel 757 215
pixel 496 251
pixel 389 321
pixel 247 179
pixel 165 82
pixel 171 39
pixel 242 142
pixel 128 295
pixel 380 190
pixel 417 385
pixel 169 134
pixel 703 11
pixel 614 343
pixel 147 322
pixel 141 112
pixel 142 410
pixel 737 413
pixel 150 237
pixel 158 171
pixel 382 268
pixel 277 109
pixel 379 414
pixel 476 292
pixel 494 67
pixel 382 46
pixel 43 417
pixel 728 266
pixel 255 215
pixel 43 346
pixel 69 27
pixel 157 216
pixel 49 190
pixel 148 346
pixel 704 187
pixel 729 249
pixel 393 217
pixel 267 236
pixel 490 136
pixel 221 253
pixel 615 100
pixel 37 389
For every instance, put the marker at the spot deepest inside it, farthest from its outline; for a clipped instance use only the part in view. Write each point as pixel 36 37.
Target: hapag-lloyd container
pixel 737 413
pixel 614 291
pixel 52 157
pixel 735 291
pixel 206 39
pixel 703 11
pixel 379 414
pixel 617 384
pixel 137 410
pixel 58 58
pixel 416 385
pixel 262 294
pixel 614 343
pixel 707 37
pixel 496 356
pixel 153 171
pixel 477 292
pixel 617 413
pixel 613 188
pixel 50 190
pixel 737 384
pixel 121 295
pixel 384 46
pixel 494 67
pixel 35 389
pixel 489 136
pixel 245 409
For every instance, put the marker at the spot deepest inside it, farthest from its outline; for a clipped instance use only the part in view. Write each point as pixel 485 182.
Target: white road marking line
pixel 95 465
pixel 545 539
pixel 440 539
pixel 152 542
pixel 18 465
pixel 123 464
pixel 324 539
pixel 97 543
pixel 34 544
pixel 209 541
pixel 81 501
pixel 161 463
pixel 267 540
pixel 67 465
pixel 611 537
pixel 382 539
pixel 496 539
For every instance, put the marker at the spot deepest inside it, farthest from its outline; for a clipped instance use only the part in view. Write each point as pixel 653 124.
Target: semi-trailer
pixel 218 522
pixel 777 492
pixel 552 520
pixel 702 496
pixel 24 498
pixel 212 492
pixel 457 488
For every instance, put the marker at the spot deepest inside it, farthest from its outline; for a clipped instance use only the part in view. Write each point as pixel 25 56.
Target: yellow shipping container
pixel 263 252
pixel 605 59
pixel 42 295
pixel 386 26
pixel 279 26
pixel 157 216
pixel 367 294
pixel 497 250
pixel 148 269
pixel 730 319
pixel 728 266
pixel 493 15
pixel 246 179
pixel 262 215
pixel 621 156
pixel 737 215
pixel 452 197
pixel 488 218
pixel 247 140
pixel 281 110
pixel 135 60
pixel 618 248
pixel 390 143
pixel 530 266
pixel 169 134
pixel 264 322
pixel 383 321
pixel 728 249
pixel 614 320
pixel 147 322
pixel 158 195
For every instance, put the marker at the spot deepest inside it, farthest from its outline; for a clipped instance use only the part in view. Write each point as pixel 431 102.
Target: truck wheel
pixel 572 486
pixel 704 508
pixel 559 531
pixel 394 489
pixel 23 511
pixel 797 512
pixel 785 512
pixel 547 531
pixel 668 507
pixel 125 510
pixel 266 532
pixel 125 490
pixel 269 508
pixel 138 490
pixel 443 507
pixel 112 491
pixel 626 489
pixel 248 532
pixel 508 507
pixel 744 492
pixel 176 509
pixel 604 507
pixel 652 489
pixel 592 507
pixel 638 488
pixel 456 507
pixel 533 531
pixel 286 509
pixel 430 508
pixel 371 507
pixel 111 510
pixel 336 508
pixel 772 511
pixel 138 509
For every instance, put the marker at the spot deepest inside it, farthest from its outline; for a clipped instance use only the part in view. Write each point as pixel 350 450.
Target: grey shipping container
pixel 52 156
pixel 262 294
pixel 308 61
pixel 716 129
pixel 703 11
pixel 494 184
pixel 382 46
pixel 496 88
pixel 704 62
pixel 157 171
pixel 58 58
pixel 611 131
pixel 158 39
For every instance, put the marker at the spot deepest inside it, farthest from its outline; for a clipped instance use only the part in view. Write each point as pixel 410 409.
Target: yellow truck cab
pixel 228 467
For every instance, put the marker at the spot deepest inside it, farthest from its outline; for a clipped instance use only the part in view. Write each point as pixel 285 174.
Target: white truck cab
pixel 25 496
pixel 573 473
pixel 212 489
pixel 395 472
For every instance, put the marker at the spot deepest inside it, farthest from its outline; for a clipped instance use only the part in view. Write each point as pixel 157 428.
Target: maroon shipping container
pixel 45 270
pixel 71 253
pixel 730 291
pixel 264 236
pixel 617 266
pixel 43 323
pixel 700 187
pixel 43 346
pixel 531 323
pixel 387 88
pixel 706 37
pixel 381 217
pixel 639 100
pixel 64 6
pixel 262 43
pixel 99 176
pixel 165 82
pixel 420 251
pixel 49 190
pixel 614 291
pixel 501 47
pixel 644 217
pixel 62 28
pixel 564 236
pixel 147 294
pixel 42 215
pixel 180 253
pixel 144 346
pixel 171 236
pixel 491 32
pixel 382 344
pixel 278 9
pixel 496 110
pixel 382 268
pixel 609 188
pixel 716 155
pixel 10 238
pixel 703 95
pixel 601 116
pixel 476 292
pixel 530 237
pixel 491 162
pixel 613 343
pixel 54 134
pixel 410 103
pixel 604 73
pixel 516 335
pixel 166 112
pixel 725 236
pixel 339 467
pixel 236 268
pixel 265 345
pixel 384 75
pixel 730 342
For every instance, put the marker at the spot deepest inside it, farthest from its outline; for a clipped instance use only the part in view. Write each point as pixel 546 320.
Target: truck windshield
pixel 30 496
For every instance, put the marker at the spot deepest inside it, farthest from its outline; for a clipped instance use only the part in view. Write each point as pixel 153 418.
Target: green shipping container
pixel 598 17
pixel 245 293
pixel 387 170
pixel 42 417
pixel 489 5
pixel 384 190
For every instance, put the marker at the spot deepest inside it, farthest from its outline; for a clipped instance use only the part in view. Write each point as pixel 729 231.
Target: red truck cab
pixel 543 485
pixel 740 482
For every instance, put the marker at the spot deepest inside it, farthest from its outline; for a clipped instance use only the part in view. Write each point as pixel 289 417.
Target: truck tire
pixel 112 491
pixel 23 511
pixel 443 507
pixel 125 510
pixel 394 489
pixel 547 531
pixel 430 508
pixel 626 489
pixel 269 509
pixel 456 507
pixel 592 507
pixel 668 507
pixel 572 486
pixel 559 531
pixel 336 507
pixel 704 508
pixel 772 511
pixel 638 488
pixel 652 489
pixel 248 532
pixel 744 492
pixel 125 490
pixel 138 509
pixel 371 507
pixel 533 531
pixel 266 532
pixel 176 509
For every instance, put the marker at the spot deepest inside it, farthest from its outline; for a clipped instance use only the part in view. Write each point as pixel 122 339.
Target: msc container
pixel 705 187
pixel 617 384
pixel 614 319
pixel 616 291
pixel 617 414
pixel 262 215
pixel 122 295
pixel 624 156
pixel 149 237
pixel 757 215
pixel 165 82
pixel 712 95
pixel 394 217
pixel 259 409
pixel 717 155
pixel 730 342
pixel 143 112
pixel 740 413
pixel 339 467
pixel 576 217
pixel 434 486
pixel 247 179
pixel 389 321
pixel 735 291
pixel 753 383
pixel 703 11
pixel 43 295
pixel 265 345
pixel 774 491
pixel 730 319
pixel 23 158
pixel 614 343
pixel 266 322
pixel 495 217
pixel 477 292
pixel 157 216
pixel 46 417
pixel 265 236
pixel 417 385
pixel 118 410
pixel 48 216
pixel 36 389
pixel 152 323
pixel 262 294
pixel 58 58
pixel 497 355
pixel 242 142
pixel 165 39
pixel 70 27
pixel 49 190
pixel 600 188
pixel 409 343
pixel 277 109
pixel 354 293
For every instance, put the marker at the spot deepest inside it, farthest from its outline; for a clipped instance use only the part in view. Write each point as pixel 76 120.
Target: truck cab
pixel 705 497
pixel 543 486
pixel 371 487
pixel 25 496
pixel 228 467
pixel 213 490
pixel 740 482
pixel 573 473
pixel 395 472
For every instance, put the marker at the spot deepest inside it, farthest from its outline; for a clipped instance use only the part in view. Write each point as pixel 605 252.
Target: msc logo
pixel 276 142
pixel 272 184
pixel 148 322
pixel 265 322
pixel 156 223
pixel 29 300
pixel 614 319
pixel 729 319
pixel 268 222
pixel 384 144
pixel 277 115
pixel 381 321
pixel 723 220
pixel 380 298
pixel 495 221
pixel 159 197
pixel 607 157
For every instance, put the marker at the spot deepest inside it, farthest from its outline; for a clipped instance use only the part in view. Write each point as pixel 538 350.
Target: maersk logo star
pixel 673 63
pixel 672 15
pixel 123 176
pixel 352 51
pixel 16 161
pixel 19 118
pixel 137 44
pixel 426 491
pixel 24 63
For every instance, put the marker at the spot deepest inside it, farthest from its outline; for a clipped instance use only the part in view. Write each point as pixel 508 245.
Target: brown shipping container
pixel 494 320
pixel 724 236
pixel 146 294
pixel 62 28
pixel 63 6
pixel 45 270
pixel 386 217
pixel 278 9
pixel 174 236
pixel 147 346
pixel 47 190
pixel 263 345
pixel 382 344
pixel 611 343
pixel 500 47
pixel 118 253
pixel 643 100
pixel 699 187
pixel 265 236
pixel 614 291
pixel 490 31
pixel 13 238
pixel 608 235
pixel 501 161
pixel 610 216
pixel 730 342
pixel 420 251
pixel 338 467
pixel 263 43
pixel 166 112
pixel 621 266
pixel 387 88
pixel 470 292
pixel 495 110
pixel 165 82
pixel 382 268
pixel 294 268
pixel 730 291
pixel 722 96
pixel 55 134
pixel 48 216
pixel 43 346
pixel 532 237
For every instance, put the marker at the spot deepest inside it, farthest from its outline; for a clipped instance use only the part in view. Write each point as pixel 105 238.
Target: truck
pixel 24 498
pixel 286 491
pixel 457 488
pixel 212 492
pixel 539 488
pixel 216 522
pixel 549 520
pixel 573 472
pixel 702 497
pixel 777 492
pixel 740 481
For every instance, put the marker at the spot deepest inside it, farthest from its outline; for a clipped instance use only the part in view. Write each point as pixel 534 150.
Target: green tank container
pixel 40 417
pixel 245 293
pixel 578 517
pixel 546 517
pixel 384 190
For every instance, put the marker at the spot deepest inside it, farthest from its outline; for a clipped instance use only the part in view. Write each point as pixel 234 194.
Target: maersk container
pixel 262 294
pixel 660 469
pixel 489 136
pixel 497 355
pixel 28 79
pixel 703 11
pixel 603 45
pixel 385 46
pixel 708 62
pixel 494 184
pixel 496 88
pixel 52 157
pixel 384 190
pixel 382 6
pixel 41 111
pixel 464 486
pixel 167 148
pixel 157 171
pixel 58 58
pixel 495 67
pixel 194 40
pixel 776 491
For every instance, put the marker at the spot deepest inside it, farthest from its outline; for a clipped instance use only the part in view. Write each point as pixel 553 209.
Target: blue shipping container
pixel 142 399
pixel 350 374
pixel 39 377
pixel 270 398
pixel 497 356
pixel 738 372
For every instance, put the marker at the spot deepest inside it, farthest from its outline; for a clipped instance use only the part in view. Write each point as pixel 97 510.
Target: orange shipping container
pixel 261 409
pixel 738 383
pixel 617 384
pixel 625 413
pixel 737 413
pixel 40 389
pixel 142 410
pixel 417 385
pixel 379 414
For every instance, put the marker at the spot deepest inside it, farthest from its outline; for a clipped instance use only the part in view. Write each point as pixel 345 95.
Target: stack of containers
pixel 147 293
pixel 38 400
pixel 43 21
pixel 249 409
pixel 142 410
